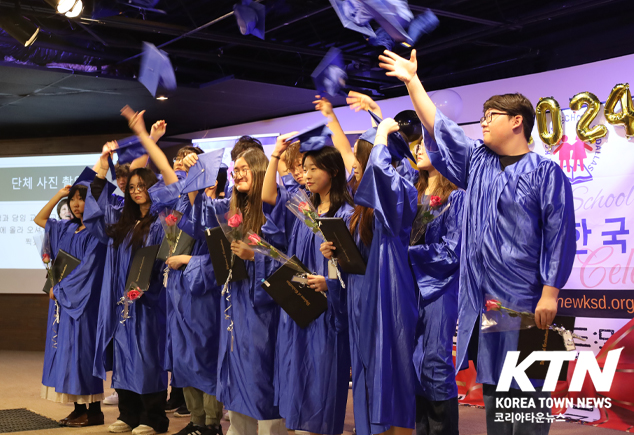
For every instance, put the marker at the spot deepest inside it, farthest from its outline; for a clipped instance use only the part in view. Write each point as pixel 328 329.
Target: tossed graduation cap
pixel 129 149
pixel 329 76
pixel 313 138
pixel 423 24
pixel 396 144
pixel 382 38
pixel 393 16
pixel 348 13
pixel 156 67
pixel 250 17
pixel 86 177
pixel 204 173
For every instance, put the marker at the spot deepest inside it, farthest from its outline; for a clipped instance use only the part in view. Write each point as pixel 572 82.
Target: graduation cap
pixel 156 67
pixel 396 144
pixel 313 138
pixel 250 17
pixel 129 149
pixel 329 76
pixel 204 173
pixel 86 177
pixel 382 38
pixel 352 17
pixel 423 24
pixel 393 16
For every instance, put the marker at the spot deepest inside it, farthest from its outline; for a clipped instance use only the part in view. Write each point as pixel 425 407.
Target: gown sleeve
pixel 99 213
pixel 558 227
pixel 433 263
pixel 450 152
pixel 199 277
pixel 279 220
pixel 392 197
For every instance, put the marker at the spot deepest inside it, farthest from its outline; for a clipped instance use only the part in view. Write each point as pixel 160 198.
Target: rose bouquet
pixel 429 209
pixel 262 247
pixel 299 204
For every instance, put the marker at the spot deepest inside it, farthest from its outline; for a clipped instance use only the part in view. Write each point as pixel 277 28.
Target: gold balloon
pixel 584 132
pixel 549 104
pixel 625 117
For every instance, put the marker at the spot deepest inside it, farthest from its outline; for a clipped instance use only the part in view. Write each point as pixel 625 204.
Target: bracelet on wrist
pixel 274 156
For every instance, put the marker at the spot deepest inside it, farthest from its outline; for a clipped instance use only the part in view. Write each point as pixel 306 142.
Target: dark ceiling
pixel 79 72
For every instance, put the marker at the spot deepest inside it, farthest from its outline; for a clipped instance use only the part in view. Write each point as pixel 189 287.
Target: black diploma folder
pixel 302 303
pixel 141 268
pixel 220 255
pixel 535 339
pixel 63 264
pixel 184 246
pixel 347 253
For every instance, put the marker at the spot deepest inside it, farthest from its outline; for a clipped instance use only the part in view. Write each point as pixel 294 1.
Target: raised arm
pixel 45 213
pixel 358 101
pixel 137 125
pixel 269 188
pixel 339 138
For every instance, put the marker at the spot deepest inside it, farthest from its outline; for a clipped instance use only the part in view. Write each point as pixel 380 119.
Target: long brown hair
pixel 362 217
pixel 250 203
pixel 443 187
pixel 131 213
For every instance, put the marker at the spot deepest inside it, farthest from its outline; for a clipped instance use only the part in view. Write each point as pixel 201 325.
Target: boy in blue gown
pixel 519 235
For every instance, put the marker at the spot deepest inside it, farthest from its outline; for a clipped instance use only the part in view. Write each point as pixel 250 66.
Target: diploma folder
pixel 535 339
pixel 63 264
pixel 141 267
pixel 220 255
pixel 347 253
pixel 184 246
pixel 302 303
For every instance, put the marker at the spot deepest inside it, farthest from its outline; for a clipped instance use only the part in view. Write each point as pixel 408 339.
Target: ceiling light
pixel 76 10
pixel 162 98
pixel 70 8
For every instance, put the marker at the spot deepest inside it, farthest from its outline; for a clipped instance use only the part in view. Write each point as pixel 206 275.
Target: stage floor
pixel 20 383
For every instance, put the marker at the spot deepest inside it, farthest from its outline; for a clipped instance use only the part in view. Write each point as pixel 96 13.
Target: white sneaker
pixel 143 430
pixel 113 399
pixel 119 427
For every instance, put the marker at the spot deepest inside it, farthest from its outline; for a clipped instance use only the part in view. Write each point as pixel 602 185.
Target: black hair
pixel 83 191
pixel 188 149
pixel 122 170
pixel 329 159
pixel 131 213
pixel 222 181
pixel 243 144
pixel 514 105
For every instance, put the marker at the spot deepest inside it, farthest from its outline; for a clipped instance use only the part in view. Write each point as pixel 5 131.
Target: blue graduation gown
pixel 518 235
pixel 313 364
pixel 193 317
pixel 436 265
pixel 291 185
pixel 68 358
pixel 384 315
pixel 133 350
pixel 245 374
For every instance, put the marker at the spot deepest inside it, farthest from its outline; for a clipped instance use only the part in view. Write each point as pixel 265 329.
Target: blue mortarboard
pixel 113 170
pixel 352 16
pixel 129 149
pixel 204 173
pixel 382 38
pixel 86 177
pixel 250 17
pixel 393 16
pixel 156 67
pixel 423 24
pixel 313 138
pixel 396 145
pixel 329 76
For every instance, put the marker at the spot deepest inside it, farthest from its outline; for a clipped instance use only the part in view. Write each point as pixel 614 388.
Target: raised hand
pixel 358 101
pixel 64 191
pixel 158 130
pixel 281 143
pixel 322 104
pixel 135 120
pixel 387 126
pixel 190 160
pixel 398 67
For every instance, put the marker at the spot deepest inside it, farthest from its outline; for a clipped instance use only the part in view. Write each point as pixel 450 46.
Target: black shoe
pixel 192 429
pixel 182 411
pixel 214 430
pixel 175 401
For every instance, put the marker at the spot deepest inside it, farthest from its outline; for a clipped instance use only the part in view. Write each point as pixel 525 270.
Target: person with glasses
pixel 518 234
pixel 249 317
pixel 133 349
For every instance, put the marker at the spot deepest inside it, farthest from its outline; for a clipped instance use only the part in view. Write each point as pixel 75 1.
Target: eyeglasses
pixel 239 173
pixel 178 159
pixel 488 117
pixel 139 188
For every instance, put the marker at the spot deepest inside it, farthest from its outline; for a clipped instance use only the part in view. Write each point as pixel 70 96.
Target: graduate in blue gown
pixel 133 348
pixel 383 378
pixel 292 159
pixel 72 315
pixel 313 364
pixel 435 262
pixel 249 317
pixel 519 234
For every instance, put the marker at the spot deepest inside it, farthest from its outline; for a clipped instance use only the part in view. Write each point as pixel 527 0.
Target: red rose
pixel 435 201
pixel 235 220
pixel 171 220
pixel 46 258
pixel 303 207
pixel 492 304
pixel 134 294
pixel 254 239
